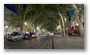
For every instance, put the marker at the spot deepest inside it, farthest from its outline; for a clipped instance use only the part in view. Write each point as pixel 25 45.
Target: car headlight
pixel 13 37
pixel 33 35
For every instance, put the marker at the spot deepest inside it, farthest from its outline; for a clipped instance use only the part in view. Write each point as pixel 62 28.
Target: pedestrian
pixel 63 33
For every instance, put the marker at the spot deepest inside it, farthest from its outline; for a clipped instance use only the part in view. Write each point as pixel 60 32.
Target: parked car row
pixel 14 36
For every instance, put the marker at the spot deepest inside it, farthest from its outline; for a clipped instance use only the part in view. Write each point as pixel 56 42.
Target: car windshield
pixel 14 33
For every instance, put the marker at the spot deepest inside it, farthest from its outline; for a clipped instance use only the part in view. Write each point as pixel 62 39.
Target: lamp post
pixel 77 24
pixel 58 27
pixel 6 26
pixel 38 30
pixel 25 25
pixel 65 19
pixel 19 29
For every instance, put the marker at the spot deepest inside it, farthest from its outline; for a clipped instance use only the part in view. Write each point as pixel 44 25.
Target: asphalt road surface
pixel 47 42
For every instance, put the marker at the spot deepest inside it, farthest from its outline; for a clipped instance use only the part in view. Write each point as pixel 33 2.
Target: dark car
pixel 27 36
pixel 57 33
pixel 33 35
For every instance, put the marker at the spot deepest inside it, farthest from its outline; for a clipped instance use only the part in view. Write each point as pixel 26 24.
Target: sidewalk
pixel 70 42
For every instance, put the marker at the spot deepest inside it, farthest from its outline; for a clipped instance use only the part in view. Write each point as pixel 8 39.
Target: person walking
pixel 63 33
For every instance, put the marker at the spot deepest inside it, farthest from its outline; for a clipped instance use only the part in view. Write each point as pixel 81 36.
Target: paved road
pixel 47 42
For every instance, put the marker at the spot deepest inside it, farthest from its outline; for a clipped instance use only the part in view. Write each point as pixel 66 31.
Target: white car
pixel 14 36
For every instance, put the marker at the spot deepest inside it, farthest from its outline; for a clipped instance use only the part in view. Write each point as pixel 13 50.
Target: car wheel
pixel 15 40
pixel 22 39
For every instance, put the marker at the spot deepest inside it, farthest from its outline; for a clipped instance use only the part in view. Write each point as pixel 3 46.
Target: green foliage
pixel 44 15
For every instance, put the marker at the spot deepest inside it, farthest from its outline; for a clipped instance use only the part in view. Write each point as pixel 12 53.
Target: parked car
pixel 74 31
pixel 27 36
pixel 34 36
pixel 57 33
pixel 14 36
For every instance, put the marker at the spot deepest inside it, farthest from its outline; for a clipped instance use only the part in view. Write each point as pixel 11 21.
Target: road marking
pixel 47 43
pixel 52 43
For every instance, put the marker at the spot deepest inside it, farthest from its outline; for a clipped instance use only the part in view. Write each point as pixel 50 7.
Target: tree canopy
pixel 48 16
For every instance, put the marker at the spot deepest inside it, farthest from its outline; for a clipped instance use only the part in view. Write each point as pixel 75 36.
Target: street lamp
pixel 43 30
pixel 25 23
pixel 27 32
pixel 25 26
pixel 58 27
pixel 37 28
pixel 77 24
pixel 6 26
pixel 18 28
pixel 65 19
